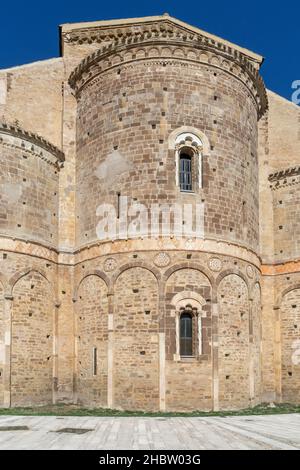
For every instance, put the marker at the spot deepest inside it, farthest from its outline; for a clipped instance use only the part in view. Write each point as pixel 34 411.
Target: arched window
pixel 186 334
pixel 188 148
pixel 185 171
pixel 190 343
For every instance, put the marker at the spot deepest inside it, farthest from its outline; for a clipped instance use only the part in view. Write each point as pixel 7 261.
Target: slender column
pixel 277 356
pixel 75 361
pixel 162 372
pixel 199 322
pixel 162 347
pixel 177 332
pixel 251 355
pixel 7 350
pixel 110 341
pixel 55 354
pixel 215 352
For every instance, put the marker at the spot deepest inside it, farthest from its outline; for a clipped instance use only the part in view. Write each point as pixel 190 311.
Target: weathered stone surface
pixel 97 322
pixel 130 433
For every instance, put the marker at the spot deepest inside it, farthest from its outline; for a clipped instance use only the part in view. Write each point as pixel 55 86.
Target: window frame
pixel 183 316
pixel 197 347
pixel 191 145
pixel 184 156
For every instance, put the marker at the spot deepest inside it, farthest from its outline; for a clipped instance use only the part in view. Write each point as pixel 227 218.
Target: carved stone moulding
pixel 215 264
pixel 110 264
pixel 288 177
pixel 162 259
pixel 16 137
pixel 159 47
pixel 250 271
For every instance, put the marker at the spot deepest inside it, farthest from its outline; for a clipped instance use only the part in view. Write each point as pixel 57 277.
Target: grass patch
pixel 76 410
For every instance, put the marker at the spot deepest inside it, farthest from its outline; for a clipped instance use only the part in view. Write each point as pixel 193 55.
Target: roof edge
pixel 32 64
pixel 17 131
pixel 68 27
pixel 285 100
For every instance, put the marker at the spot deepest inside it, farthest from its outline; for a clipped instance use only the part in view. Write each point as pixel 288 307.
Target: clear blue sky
pixel 29 28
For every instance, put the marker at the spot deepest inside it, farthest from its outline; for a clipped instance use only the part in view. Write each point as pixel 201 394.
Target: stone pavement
pixel 247 432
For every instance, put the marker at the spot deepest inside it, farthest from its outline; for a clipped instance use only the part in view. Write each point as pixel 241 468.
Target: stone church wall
pixel 97 322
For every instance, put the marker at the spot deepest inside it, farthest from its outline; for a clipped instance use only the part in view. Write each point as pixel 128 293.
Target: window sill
pixel 191 359
pixel 188 359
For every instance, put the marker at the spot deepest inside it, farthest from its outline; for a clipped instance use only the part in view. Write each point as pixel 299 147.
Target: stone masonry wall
pixel 233 342
pixel 28 194
pixel 279 149
pixel 141 330
pixel 32 96
pixel 1 342
pixel 115 133
pixel 92 332
pixel 136 355
pixel 290 346
pixel 286 208
pixel 124 119
pixel 188 381
pixel 32 342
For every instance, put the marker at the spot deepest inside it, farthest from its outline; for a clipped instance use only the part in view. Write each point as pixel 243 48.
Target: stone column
pixel 277 355
pixel 110 342
pixel 215 352
pixel 7 350
pixel 55 354
pixel 162 349
pixel 162 372
pixel 251 355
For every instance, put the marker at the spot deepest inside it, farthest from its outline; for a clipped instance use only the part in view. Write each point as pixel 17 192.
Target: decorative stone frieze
pixel 16 137
pixel 154 45
pixel 215 264
pixel 289 177
pixel 110 264
pixel 162 260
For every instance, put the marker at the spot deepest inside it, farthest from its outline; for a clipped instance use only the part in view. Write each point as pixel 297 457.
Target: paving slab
pixel 116 433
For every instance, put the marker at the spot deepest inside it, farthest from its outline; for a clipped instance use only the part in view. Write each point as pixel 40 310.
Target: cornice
pixel 288 177
pixel 288 267
pixel 107 31
pixel 95 250
pixel 28 137
pixel 185 47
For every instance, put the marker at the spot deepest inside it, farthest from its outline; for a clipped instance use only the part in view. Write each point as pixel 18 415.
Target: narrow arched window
pixel 188 160
pixel 186 334
pixel 185 172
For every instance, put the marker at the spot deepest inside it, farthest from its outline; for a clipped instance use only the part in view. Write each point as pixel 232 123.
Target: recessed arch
pixel 91 340
pixel 33 354
pixel 196 300
pixel 234 339
pixel 188 295
pixel 288 354
pixel 136 345
pixel 228 272
pixel 94 272
pixel 137 264
pixel 20 274
pixel 280 296
pixel 189 265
